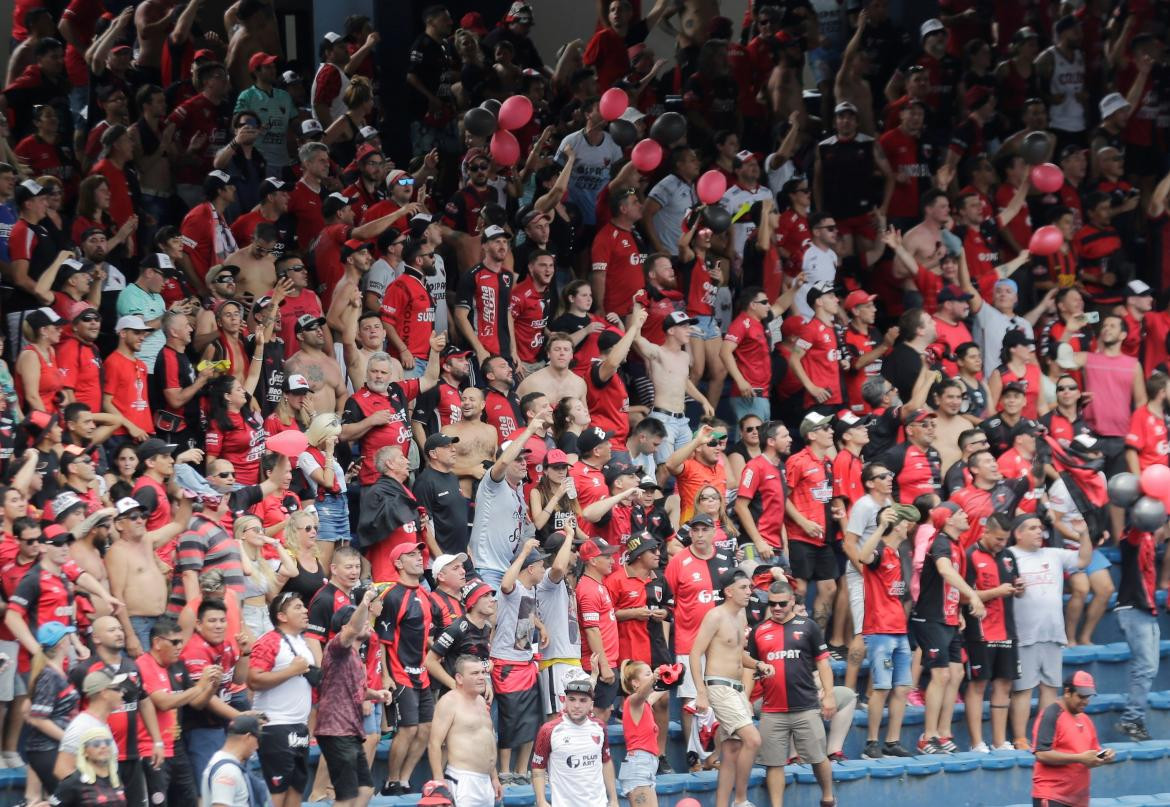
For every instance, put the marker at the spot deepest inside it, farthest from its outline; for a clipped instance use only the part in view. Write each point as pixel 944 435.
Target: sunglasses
pixel 90 318
pixel 883 475
pixel 404 181
pixel 225 279
pixel 759 302
pixel 174 642
pixel 717 443
pixel 478 167
pixel 30 541
pixel 750 429
pixel 98 743
pixel 1068 389
pixel 709 497
pixel 133 517
pixel 224 474
pixel 779 603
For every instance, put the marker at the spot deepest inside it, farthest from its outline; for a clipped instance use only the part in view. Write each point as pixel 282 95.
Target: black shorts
pixel 348 769
pixel 605 694
pixel 812 562
pixel 992 661
pixel 284 756
pixel 413 707
pixel 520 715
pixel 940 643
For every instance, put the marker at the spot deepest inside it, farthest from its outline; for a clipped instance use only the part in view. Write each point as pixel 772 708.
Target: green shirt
pixel 276 111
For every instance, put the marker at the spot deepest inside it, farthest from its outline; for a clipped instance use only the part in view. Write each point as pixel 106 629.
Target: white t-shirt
pixel 290 701
pixel 819 266
pixel 990 326
pixel 676 198
pixel 229 787
pixel 78 726
pixel 734 199
pixel 380 276
pixel 558 611
pixel 590 170
pixel 307 463
pixel 1039 612
pixel 512 637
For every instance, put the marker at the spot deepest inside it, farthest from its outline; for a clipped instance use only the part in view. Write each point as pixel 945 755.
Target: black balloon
pixel 716 217
pixel 492 106
pixel 669 128
pixel 623 132
pixel 480 122
pixel 1035 148
pixel 1149 514
pixel 1125 489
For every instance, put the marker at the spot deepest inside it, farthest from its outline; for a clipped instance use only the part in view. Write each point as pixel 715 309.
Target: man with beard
pixel 366 191
pixel 483 311
pixel 501 404
pixel 556 381
pixel 477 440
pixel 376 415
pixel 207 240
pixel 76 281
pixel 361 340
pixel 408 310
pixel 462 210
pixel 441 405
pixel 399 190
pixel 175 387
pixel 530 308
pixel 271 209
pixel 661 298
pixel 316 363
pixel 462 727
pixel 257 262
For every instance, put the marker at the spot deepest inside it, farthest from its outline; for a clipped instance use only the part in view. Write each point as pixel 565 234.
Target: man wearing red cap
pixel 1067 748
pixel 367 189
pixel 864 345
pixel 274 108
pixel 817 358
pixel 760 501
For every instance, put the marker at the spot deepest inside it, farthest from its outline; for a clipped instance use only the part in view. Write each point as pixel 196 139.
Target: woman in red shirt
pixel 42 153
pixel 93 211
pixel 703 281
pixel 1019 367
pixel 641 733
pixel 275 508
pixel 235 431
pixel 38 377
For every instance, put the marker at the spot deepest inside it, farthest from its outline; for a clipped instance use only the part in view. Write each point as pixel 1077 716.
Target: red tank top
pixel 1031 381
pixel 50 383
pixel 642 735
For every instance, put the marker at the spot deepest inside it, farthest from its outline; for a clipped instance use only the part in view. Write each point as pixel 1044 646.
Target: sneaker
pixel 664 766
pixel 873 750
pixel 395 788
pixel 915 698
pixel 838 652
pixel 1134 729
pixel 744 803
pixel 894 749
pixel 1004 746
pixel 980 748
pixel 931 746
pixel 1022 744
pixel 947 744
pixel 524 778
pixel 838 756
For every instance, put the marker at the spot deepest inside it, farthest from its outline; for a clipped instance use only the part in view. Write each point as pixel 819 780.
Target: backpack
pixel 257 790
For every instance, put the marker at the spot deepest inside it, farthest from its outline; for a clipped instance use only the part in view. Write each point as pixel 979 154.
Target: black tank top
pixel 306 583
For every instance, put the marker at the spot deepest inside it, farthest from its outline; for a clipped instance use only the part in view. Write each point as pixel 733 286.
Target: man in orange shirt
pixel 700 463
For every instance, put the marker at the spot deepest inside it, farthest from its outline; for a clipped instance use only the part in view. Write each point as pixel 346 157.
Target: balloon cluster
pixel 497 121
pixel 1147 494
pixel 668 130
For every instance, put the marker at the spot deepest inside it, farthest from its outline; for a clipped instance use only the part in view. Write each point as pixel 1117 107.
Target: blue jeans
pixel 678 434
pixel 142 626
pixel 201 747
pixel 759 406
pixel 333 517
pixel 889 660
pixel 1143 636
pixel 420 367
pixel 492 577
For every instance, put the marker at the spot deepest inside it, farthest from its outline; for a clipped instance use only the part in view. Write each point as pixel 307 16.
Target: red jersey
pixel 885 592
pixel 692 580
pixel 293 308
pixel 81 371
pixel 11 573
pixel 659 304
pixel 627 591
pixel 364 403
pixel 847 483
pixel 198 653
pixel 793 237
pixel 1031 383
pixel 1057 729
pixel 751 353
pixel 595 610
pixel 502 412
pixel 620 254
pixel 792 648
pixel 910 169
pixel 810 480
pixel 701 292
pixel 1020 227
pixel 1013 465
pixel 42 596
pixel 198 115
pixel 1148 436
pixel 121 203
pixel 304 205
pixel 327 259
pixel 609 404
pixel 591 487
pixel 407 307
pixel 242 445
pixel 486 294
pixel 529 309
pixel 762 485
pixel 202 241
pixel 821 360
pixel 859 344
pixel 987 570
pixel 126 384
pixel 155 678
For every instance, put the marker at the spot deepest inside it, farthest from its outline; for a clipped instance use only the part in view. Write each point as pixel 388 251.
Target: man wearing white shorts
pixel 463 726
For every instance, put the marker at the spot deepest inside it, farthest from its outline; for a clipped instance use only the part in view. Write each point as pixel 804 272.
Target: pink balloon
pixel 687 802
pixel 1046 241
pixel 712 185
pixel 290 443
pixel 1047 178
pixel 1156 481
pixel 504 147
pixel 646 156
pixel 613 103
pixel 515 112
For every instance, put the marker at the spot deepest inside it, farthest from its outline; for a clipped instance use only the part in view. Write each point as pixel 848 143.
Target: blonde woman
pixel 96 779
pixel 263 578
pixel 326 483
pixel 709 502
pixel 638 772
pixel 300 538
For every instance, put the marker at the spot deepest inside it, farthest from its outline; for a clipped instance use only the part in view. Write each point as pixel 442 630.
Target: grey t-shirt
pixel 991 325
pixel 78 726
pixel 380 276
pixel 512 638
pixel 558 611
pixel 501 524
pixel 862 522
pixel 1039 613
pixel 229 785
pixel 676 198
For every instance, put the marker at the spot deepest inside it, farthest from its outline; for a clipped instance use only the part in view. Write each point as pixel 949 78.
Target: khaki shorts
pixel 731 708
pixel 805 731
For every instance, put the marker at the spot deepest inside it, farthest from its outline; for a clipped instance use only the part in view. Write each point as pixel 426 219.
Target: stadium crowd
pixel 670 395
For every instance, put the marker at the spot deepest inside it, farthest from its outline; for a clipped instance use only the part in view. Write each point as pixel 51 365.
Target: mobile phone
pixel 1092 317
pixel 1101 754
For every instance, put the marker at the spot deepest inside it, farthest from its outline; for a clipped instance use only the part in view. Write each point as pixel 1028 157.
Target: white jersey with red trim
pixel 574 755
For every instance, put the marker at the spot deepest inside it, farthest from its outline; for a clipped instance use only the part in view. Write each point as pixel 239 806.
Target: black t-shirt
pixel 460 638
pixel 901 369
pixel 428 61
pixel 439 493
pixel 793 649
pixel 72 792
pixel 270 387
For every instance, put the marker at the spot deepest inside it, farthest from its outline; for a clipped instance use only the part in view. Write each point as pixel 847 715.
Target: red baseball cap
pixel 595 548
pixel 365 151
pixel 204 53
pixel 404 549
pixel 258 60
pixel 1083 683
pixel 473 21
pixel 856 298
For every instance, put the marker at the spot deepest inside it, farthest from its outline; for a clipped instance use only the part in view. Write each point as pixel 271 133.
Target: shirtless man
pixel 669 368
pixel 463 724
pixel 924 240
pixel 355 264
pixel 478 440
pixel 257 265
pixel 153 20
pixel 719 651
pixel 556 380
pixel 91 533
pixel 136 575
pixel 326 380
pixel 950 424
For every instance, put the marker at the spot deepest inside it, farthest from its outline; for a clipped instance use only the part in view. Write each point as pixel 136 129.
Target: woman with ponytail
pixel 637 777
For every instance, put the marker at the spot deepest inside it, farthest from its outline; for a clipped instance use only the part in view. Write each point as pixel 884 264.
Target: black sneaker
pixel 873 750
pixel 1135 730
pixel 838 652
pixel 664 766
pixel 890 749
pixel 932 746
pixel 392 789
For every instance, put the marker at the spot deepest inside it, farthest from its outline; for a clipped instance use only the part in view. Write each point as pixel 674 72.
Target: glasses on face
pixel 133 517
pixel 98 743
pixel 760 302
pixel 717 443
pixel 90 318
pixel 30 541
pixel 316 327
pixel 478 167
pixel 175 642
pixel 709 497
pixel 884 475
pixel 779 603
pixel 404 181
pixel 225 474
pixel 1067 388
pixel 249 122
pixel 53 542
pixel 300 267
pixel 225 279
pixel 750 429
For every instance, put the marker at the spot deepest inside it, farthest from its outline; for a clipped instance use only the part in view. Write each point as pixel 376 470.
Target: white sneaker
pixel 1004 746
pixel 981 748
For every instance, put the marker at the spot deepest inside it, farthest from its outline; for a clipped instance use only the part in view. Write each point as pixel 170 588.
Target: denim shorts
pixel 333 518
pixel 638 769
pixel 707 328
pixel 889 660
pixel 372 724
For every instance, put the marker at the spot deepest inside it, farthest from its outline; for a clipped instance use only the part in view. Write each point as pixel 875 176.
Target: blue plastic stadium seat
pixel 846 772
pixel 519 797
pixel 963 761
pixel 922 765
pixel 886 768
pixel 1113 652
pixel 1124 750
pixel 1160 700
pixel 671 783
pixel 702 782
pixel 1105 702
pixel 1144 801
pixel 1152 749
pixel 997 762
pixel 1081 655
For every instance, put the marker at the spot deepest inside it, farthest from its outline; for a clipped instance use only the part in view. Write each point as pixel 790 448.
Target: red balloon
pixel 1047 178
pixel 515 112
pixel 291 443
pixel 712 185
pixel 687 802
pixel 505 150
pixel 1046 241
pixel 646 155
pixel 613 103
pixel 1156 481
